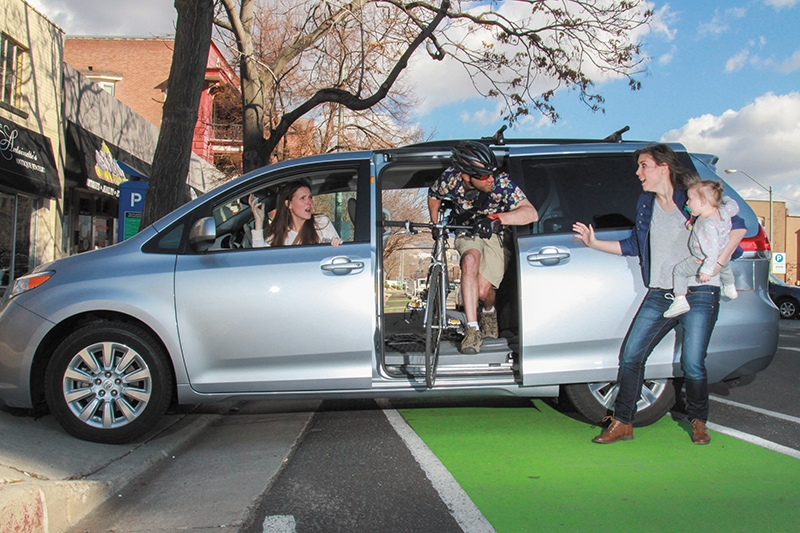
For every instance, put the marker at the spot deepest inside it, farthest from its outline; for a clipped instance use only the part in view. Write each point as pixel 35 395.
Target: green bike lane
pixel 529 467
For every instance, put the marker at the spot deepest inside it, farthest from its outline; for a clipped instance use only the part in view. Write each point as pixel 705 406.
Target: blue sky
pixel 722 77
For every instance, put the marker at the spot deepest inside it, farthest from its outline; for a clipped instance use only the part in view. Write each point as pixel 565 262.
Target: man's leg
pixel 470 285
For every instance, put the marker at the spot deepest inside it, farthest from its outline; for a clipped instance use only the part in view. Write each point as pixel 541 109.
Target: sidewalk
pixel 50 480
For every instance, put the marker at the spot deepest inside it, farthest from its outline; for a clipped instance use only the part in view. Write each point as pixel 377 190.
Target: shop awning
pixel 26 161
pixel 100 164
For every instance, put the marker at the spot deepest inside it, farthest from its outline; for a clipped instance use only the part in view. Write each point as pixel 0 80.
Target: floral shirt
pixel 504 196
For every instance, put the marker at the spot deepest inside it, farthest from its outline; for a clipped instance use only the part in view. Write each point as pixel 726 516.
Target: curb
pixel 38 506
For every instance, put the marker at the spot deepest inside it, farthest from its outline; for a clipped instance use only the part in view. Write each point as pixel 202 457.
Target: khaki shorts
pixel 494 257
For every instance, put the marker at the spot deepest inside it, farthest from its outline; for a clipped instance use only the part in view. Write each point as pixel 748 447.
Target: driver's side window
pixel 334 193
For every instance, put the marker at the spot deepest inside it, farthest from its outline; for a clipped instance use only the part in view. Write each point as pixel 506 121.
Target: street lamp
pixel 768 189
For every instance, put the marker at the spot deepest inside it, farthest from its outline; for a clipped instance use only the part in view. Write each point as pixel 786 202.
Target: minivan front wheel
pixel 596 400
pixel 108 382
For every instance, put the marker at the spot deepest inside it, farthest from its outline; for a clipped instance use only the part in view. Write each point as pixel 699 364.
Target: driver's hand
pixel 258 211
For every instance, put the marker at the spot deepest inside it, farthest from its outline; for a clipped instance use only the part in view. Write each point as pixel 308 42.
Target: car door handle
pixel 342 265
pixel 549 256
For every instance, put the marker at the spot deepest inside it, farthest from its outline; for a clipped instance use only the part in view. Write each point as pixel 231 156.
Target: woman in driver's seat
pixel 294 222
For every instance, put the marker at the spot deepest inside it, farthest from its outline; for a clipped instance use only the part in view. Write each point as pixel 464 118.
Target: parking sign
pixel 778 263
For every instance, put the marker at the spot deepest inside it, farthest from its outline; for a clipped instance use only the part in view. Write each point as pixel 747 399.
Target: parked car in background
pixel 786 297
pixel 186 311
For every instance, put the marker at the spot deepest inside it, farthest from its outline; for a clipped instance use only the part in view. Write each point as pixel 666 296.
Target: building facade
pixel 136 70
pixel 785 235
pixel 31 180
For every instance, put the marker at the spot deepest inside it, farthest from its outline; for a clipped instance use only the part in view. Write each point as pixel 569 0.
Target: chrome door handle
pixel 342 265
pixel 549 256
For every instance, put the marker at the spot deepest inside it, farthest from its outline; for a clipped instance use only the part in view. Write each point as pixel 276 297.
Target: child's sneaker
pixel 729 291
pixel 679 306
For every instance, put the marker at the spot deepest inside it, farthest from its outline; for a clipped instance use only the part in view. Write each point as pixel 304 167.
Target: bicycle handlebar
pixel 413 226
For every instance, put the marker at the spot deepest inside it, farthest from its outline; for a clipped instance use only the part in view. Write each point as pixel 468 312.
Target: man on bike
pixel 487 199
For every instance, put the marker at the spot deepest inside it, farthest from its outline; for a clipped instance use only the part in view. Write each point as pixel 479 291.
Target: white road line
pixel 790 348
pixel 282 523
pixel 773 414
pixel 461 506
pixel 752 439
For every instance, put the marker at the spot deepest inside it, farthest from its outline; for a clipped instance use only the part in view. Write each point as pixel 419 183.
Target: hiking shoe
pixel 471 344
pixel 679 306
pixel 488 323
pixel 729 291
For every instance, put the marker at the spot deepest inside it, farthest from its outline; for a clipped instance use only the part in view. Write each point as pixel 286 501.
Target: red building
pixel 136 70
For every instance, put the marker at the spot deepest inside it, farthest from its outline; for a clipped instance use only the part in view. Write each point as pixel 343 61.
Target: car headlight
pixel 31 281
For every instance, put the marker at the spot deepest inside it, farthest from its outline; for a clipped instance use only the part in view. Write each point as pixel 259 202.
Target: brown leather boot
pixel 700 432
pixel 615 431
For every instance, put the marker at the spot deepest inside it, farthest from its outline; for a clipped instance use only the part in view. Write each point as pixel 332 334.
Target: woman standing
pixel 660 240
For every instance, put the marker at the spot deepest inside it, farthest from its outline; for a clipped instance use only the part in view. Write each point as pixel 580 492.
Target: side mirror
pixel 203 234
pixel 387 215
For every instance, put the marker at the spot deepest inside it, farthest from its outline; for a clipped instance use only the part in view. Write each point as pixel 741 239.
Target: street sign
pixel 778 263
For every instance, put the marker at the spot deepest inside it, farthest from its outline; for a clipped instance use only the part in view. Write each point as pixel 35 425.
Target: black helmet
pixel 474 159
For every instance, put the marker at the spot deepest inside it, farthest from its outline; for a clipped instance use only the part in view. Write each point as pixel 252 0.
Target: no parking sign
pixel 778 263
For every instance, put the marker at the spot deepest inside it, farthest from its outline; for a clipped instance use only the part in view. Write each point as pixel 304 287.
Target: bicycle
pixel 435 303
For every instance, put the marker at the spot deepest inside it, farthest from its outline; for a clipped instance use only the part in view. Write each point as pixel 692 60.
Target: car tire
pixel 108 382
pixel 787 307
pixel 594 401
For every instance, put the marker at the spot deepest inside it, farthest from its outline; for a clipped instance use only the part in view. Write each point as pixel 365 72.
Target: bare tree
pixel 518 52
pixel 167 189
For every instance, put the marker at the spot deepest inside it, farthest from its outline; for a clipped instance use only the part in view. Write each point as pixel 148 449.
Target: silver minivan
pixel 188 311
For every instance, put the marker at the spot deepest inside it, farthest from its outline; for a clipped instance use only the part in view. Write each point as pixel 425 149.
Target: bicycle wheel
pixel 434 325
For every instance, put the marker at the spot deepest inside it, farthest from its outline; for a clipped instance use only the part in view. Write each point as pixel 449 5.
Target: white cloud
pixel 440 83
pixel 761 138
pixel 662 22
pixel 665 59
pixel 786 66
pixel 719 24
pixel 143 18
pixel 780 4
pixel 737 62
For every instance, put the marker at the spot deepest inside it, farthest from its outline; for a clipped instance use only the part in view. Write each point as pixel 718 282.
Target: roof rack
pixel 499 140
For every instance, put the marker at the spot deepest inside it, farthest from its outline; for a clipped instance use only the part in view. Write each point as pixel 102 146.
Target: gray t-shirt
pixel 669 245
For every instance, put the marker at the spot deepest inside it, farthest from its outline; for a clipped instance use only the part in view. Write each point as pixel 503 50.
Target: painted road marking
pixel 790 348
pixel 461 506
pixel 759 410
pixel 281 523
pixel 752 439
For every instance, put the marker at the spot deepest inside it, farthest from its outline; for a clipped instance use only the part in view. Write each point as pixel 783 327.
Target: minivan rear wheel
pixel 595 401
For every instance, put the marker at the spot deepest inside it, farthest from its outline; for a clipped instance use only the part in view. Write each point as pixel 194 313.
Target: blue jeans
pixel 648 328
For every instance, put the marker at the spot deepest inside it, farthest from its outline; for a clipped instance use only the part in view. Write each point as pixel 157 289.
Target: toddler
pixel 710 235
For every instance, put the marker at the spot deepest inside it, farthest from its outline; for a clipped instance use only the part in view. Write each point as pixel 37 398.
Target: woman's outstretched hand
pixel 585 234
pixel 258 211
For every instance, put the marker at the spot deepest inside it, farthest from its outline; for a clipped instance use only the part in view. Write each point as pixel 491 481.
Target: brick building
pixel 136 70
pixel 785 235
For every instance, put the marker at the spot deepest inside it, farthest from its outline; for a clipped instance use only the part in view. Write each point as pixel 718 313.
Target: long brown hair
pixel 662 154
pixel 282 222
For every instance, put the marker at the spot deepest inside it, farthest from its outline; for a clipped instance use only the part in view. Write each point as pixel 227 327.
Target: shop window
pixel 11 63
pixel 17 236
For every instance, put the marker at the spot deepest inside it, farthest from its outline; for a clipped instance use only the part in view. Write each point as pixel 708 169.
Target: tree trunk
pixel 168 190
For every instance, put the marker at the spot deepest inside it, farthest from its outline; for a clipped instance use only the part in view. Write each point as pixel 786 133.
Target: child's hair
pixel 710 190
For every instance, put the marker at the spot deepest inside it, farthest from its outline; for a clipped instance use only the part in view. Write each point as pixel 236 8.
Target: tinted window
pixel 597 190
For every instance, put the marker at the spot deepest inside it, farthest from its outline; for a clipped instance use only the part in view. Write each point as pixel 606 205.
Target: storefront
pixel 94 169
pixel 28 179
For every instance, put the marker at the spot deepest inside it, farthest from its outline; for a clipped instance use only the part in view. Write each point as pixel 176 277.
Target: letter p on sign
pixel 135 198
